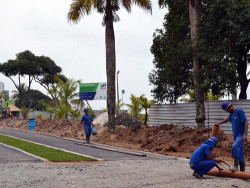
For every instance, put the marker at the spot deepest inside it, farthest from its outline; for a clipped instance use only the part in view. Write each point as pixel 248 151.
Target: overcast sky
pixel 79 49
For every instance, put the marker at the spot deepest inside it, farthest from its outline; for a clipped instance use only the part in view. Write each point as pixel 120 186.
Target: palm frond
pixel 144 4
pixel 79 8
pixel 99 6
pixel 126 4
pixel 161 3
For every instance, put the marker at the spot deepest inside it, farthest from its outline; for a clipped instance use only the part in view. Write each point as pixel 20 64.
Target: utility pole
pixel 117 86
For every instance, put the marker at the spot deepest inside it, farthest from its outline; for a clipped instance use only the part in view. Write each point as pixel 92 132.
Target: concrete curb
pixel 53 147
pixel 42 159
pixel 105 145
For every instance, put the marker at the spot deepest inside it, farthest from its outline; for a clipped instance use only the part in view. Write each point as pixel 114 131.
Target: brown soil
pixel 170 140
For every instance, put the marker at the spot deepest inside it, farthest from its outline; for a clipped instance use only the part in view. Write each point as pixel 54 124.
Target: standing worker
pixel 239 127
pixel 87 122
pixel 201 161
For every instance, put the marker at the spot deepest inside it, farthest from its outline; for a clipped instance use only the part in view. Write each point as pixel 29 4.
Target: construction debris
pixel 127 120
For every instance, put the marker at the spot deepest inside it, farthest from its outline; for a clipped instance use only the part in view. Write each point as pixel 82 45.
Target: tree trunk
pixel 194 15
pixel 242 70
pixel 146 117
pixel 110 67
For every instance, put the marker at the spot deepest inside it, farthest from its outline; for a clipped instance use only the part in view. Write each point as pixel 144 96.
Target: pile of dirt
pixel 62 127
pixel 127 120
pixel 171 140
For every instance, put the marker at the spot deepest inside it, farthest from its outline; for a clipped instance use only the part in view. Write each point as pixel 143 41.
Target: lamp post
pixel 117 86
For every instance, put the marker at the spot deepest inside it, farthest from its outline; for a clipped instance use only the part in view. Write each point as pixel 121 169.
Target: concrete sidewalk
pixel 8 154
pixel 82 149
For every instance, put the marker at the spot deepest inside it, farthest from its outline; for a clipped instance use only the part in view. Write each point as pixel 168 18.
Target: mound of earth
pixel 172 140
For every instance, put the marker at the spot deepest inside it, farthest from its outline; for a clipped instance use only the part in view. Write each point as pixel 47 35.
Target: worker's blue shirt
pixel 200 154
pixel 87 119
pixel 238 120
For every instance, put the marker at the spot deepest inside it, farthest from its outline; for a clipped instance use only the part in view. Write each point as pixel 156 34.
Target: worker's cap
pixel 86 110
pixel 225 105
pixel 214 140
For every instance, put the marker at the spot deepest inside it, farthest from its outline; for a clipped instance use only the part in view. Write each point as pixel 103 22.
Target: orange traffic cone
pixel 4 126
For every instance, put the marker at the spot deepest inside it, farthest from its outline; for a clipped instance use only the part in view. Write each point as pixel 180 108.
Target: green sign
pixel 93 91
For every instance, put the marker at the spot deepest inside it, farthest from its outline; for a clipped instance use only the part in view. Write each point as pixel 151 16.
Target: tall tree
pixel 108 8
pixel 48 72
pixel 226 39
pixel 25 64
pixel 173 70
pixel 194 17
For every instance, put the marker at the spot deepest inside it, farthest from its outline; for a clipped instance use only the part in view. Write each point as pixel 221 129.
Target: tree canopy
pixel 223 49
pixel 35 96
pixel 172 76
pixel 36 68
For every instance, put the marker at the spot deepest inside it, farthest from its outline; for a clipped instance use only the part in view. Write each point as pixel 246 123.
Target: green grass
pixel 53 155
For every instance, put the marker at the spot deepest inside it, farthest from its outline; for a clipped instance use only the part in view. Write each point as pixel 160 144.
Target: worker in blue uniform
pixel 240 128
pixel 202 161
pixel 87 122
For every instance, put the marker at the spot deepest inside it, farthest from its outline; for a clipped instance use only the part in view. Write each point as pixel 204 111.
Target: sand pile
pixel 102 119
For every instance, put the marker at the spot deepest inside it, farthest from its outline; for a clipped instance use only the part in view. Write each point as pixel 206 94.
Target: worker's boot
pixel 236 164
pixel 87 139
pixel 242 167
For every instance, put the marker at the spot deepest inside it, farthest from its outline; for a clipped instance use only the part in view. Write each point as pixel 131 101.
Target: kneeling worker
pixel 202 161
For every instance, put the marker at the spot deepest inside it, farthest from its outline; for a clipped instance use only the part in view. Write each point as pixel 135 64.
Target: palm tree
pixel 19 95
pixel 119 105
pixel 62 111
pixel 109 8
pixel 48 108
pixel 68 92
pixel 75 113
pixel 146 104
pixel 16 94
pixel 191 97
pixel 78 103
pixel 135 106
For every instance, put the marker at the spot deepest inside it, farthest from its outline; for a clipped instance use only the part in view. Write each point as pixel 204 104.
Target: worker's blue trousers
pixel 203 167
pixel 238 150
pixel 87 129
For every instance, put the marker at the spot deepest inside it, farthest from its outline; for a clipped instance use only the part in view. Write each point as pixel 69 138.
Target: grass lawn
pixel 53 155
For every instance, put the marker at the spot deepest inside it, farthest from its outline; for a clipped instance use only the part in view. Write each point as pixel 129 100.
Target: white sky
pixel 79 49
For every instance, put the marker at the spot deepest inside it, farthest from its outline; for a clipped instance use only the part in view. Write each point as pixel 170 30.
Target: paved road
pixel 86 150
pixel 8 154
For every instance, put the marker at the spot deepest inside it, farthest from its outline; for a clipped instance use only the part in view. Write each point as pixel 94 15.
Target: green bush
pixel 40 116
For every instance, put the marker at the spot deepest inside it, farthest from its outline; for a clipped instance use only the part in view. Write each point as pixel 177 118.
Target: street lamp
pixel 117 86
